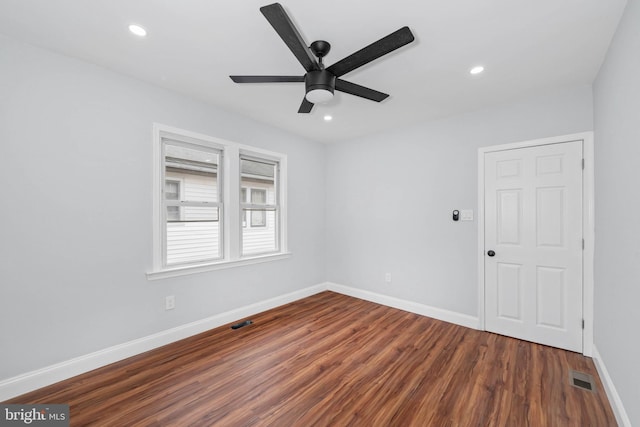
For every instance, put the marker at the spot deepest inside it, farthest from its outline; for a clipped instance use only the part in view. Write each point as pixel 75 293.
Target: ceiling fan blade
pixel 267 79
pixel 281 22
pixel 374 51
pixel 361 91
pixel 305 107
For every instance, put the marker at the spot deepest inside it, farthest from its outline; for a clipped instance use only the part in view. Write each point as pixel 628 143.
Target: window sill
pixel 220 265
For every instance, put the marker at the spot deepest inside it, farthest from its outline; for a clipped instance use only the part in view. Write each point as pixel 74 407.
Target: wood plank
pixel 333 360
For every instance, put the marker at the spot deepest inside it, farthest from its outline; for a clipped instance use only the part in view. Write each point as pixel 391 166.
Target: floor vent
pixel 582 380
pixel 241 324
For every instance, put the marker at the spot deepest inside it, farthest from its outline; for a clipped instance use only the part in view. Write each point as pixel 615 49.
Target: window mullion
pixel 232 213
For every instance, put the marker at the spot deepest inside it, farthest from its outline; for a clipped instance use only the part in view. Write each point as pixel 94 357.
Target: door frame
pixel 588 229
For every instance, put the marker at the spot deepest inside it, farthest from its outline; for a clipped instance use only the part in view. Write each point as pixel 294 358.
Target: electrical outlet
pixel 170 302
pixel 387 277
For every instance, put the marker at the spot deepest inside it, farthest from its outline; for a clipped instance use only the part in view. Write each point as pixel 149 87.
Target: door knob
pixel 491 253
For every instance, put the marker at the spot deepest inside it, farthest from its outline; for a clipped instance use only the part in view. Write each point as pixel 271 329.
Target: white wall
pixel 390 198
pixel 75 219
pixel 617 251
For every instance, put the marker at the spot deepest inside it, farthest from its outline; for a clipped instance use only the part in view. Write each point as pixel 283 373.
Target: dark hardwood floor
pixel 332 360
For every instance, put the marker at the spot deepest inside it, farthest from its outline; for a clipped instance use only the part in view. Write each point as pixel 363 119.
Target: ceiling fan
pixel 320 82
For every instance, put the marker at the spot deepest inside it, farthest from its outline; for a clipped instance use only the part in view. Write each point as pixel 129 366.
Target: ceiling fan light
pixel 319 86
pixel 319 96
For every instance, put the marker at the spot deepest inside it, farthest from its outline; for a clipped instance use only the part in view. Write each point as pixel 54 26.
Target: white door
pixel 533 244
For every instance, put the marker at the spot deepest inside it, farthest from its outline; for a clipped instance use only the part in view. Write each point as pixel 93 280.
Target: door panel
pixel 509 292
pixel 509 217
pixel 550 218
pixel 551 288
pixel 533 222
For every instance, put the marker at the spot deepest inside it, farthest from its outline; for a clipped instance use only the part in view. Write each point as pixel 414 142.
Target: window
pixel 260 176
pixel 193 231
pixel 216 203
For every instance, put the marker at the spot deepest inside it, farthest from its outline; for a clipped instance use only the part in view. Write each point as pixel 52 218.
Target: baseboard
pixel 34 380
pixel 412 307
pixel 614 398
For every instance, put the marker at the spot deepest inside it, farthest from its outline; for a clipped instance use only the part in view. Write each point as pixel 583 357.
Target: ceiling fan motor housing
pixel 319 86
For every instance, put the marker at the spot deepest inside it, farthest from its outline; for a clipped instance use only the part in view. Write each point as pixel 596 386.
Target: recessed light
pixel 327 118
pixel 137 30
pixel 476 70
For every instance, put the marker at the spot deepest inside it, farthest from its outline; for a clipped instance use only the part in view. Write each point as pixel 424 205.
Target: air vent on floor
pixel 582 380
pixel 241 324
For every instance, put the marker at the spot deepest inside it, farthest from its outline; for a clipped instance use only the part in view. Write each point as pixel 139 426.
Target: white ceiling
pixel 194 45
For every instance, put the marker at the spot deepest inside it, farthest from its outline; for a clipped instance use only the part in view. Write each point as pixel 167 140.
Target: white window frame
pixel 231 230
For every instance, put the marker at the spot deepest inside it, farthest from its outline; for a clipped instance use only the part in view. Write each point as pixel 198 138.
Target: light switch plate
pixel 466 215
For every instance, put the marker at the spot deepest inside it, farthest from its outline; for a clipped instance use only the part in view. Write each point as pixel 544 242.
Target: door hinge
pixel 583 164
pixel 582 323
pixel 583 244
